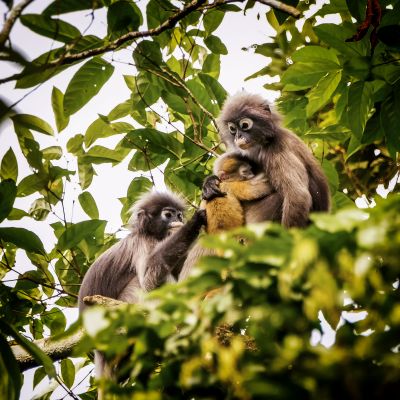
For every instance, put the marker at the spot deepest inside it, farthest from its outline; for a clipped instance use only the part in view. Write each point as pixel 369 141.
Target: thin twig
pixel 171 22
pixel 10 21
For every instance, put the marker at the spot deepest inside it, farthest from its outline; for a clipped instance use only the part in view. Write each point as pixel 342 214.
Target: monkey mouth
pixel 174 226
pixel 243 143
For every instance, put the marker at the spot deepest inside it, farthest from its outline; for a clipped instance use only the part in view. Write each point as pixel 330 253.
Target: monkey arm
pixel 252 189
pixel 211 188
pixel 169 255
pixel 290 178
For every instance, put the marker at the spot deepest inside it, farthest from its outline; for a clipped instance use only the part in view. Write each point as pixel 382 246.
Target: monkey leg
pixel 252 189
pixel 224 213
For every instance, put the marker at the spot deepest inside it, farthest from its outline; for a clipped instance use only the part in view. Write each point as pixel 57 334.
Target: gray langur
pixel 248 125
pixel 152 254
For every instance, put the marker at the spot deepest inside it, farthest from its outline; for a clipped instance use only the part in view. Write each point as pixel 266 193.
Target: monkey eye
pixel 232 128
pixel 180 217
pixel 166 214
pixel 245 124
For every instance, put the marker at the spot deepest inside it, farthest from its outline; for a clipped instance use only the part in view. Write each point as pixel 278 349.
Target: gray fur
pixel 286 160
pixel 147 258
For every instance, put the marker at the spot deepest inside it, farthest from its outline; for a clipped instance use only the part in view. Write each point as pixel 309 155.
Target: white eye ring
pixel 232 128
pixel 245 124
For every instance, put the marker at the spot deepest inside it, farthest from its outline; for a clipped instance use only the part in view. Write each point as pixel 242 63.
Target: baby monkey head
pixel 234 166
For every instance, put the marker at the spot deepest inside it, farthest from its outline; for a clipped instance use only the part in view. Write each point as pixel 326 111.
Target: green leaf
pixel 31 184
pixel 40 373
pixel 40 209
pixel 120 111
pixel 41 357
pixel 100 129
pixel 360 102
pixel 57 102
pixel 310 54
pixel 212 65
pixel 101 154
pixel 75 233
pixel 23 239
pixel 158 11
pixel 88 205
pixel 214 88
pixel 10 374
pixel 321 94
pixel 8 192
pixel 9 166
pixel 68 372
pixel 147 55
pixel 137 187
pixel 123 17
pixel 332 175
pixel 344 220
pixel 212 20
pixel 215 45
pixel 86 83
pixel 86 173
pixel 301 76
pixel 67 6
pixel 55 320
pixel 390 120
pixel 52 153
pixel 32 122
pixel 55 29
pixel 340 200
pixel 357 9
pixel 17 214
pixel 74 145
pixel 336 35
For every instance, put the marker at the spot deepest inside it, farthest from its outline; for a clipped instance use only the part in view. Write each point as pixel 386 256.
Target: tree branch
pixel 278 5
pixel 59 349
pixel 10 21
pixel 55 349
pixel 69 58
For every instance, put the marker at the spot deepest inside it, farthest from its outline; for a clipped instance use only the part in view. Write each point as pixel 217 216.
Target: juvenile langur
pixel 240 181
pixel 152 254
pixel 248 125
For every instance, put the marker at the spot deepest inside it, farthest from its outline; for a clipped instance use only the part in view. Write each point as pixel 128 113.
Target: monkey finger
pixel 211 188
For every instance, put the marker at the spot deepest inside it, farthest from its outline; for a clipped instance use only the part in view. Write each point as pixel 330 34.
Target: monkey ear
pixel 142 220
pixel 266 107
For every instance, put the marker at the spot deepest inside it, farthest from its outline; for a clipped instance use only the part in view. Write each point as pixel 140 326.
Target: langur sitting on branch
pixel 152 254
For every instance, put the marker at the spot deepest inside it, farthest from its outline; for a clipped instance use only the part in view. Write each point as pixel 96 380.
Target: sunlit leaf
pixel 57 102
pixel 88 204
pixel 9 166
pixel 68 372
pixel 33 122
pixel 23 239
pixel 86 83
pixel 321 94
pixel 52 28
pixel 215 44
pixel 77 232
pixel 359 107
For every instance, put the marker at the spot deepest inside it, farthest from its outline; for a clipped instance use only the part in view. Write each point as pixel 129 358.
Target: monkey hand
pixel 211 188
pixel 200 217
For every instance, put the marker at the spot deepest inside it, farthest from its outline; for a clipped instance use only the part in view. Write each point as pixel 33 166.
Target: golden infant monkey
pixel 241 181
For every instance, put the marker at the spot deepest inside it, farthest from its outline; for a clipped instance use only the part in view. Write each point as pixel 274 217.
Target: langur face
pixel 249 132
pixel 247 124
pixel 172 219
pixel 160 220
